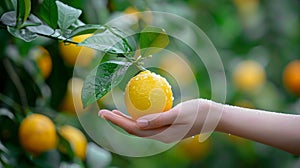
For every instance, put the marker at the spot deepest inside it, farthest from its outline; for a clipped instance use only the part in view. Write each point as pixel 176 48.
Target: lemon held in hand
pixel 37 134
pixel 147 93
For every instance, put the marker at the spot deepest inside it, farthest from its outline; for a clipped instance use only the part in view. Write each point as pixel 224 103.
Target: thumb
pixel 157 120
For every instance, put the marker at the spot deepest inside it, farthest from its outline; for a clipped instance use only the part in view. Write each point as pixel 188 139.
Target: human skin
pixel 279 130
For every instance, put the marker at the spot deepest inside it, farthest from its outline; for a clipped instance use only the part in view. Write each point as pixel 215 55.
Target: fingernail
pixel 142 122
pixel 100 114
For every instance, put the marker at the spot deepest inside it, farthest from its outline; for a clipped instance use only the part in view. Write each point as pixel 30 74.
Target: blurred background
pixel 258 42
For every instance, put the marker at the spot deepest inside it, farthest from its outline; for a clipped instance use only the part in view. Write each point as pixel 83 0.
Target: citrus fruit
pixel 145 16
pixel 247 6
pixel 70 52
pixel 291 77
pixel 180 69
pixel 72 101
pixel 193 149
pixel 37 134
pixel 76 139
pixel 244 103
pixel 147 93
pixel 249 75
pixel 43 60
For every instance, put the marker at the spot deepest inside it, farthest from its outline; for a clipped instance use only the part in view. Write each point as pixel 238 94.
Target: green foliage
pixel 152 40
pixel 67 15
pixel 102 79
pixel 49 13
pixel 268 34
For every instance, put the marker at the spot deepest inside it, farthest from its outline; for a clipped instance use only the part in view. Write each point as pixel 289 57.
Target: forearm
pixel 274 129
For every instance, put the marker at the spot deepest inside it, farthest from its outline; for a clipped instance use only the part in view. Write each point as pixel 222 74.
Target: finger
pixel 128 125
pixel 157 120
pixel 121 114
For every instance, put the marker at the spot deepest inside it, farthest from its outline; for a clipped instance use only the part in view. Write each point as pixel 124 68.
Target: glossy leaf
pixel 102 79
pixel 67 15
pixel 7 113
pixel 23 34
pixel 9 18
pixel 27 4
pixel 85 29
pixel 20 11
pixel 153 40
pixel 49 13
pixel 111 40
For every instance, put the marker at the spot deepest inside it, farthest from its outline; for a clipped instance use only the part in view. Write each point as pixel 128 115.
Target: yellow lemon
pixel 37 134
pixel 147 93
pixel 70 52
pixel 193 149
pixel 72 101
pixel 291 77
pixel 43 60
pixel 76 139
pixel 249 76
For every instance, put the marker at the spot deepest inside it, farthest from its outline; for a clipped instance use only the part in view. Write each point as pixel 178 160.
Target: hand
pixel 184 120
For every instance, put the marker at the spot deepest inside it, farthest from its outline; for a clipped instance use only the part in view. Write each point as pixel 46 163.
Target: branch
pixel 16 80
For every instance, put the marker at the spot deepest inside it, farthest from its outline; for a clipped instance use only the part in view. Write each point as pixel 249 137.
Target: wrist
pixel 223 109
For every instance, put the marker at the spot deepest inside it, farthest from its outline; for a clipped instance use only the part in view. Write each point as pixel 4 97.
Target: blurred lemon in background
pixel 147 93
pixel 72 101
pixel 291 77
pixel 76 139
pixel 70 52
pixel 193 149
pixel 249 76
pixel 144 16
pixel 43 60
pixel 178 67
pixel 37 134
pixel 244 103
pixel 246 5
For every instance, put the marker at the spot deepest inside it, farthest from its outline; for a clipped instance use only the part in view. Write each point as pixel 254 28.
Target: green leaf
pixel 101 80
pixel 47 159
pixel 20 11
pixel 23 34
pixel 27 4
pixel 9 18
pixel 86 29
pixel 41 29
pixel 153 40
pixel 67 15
pixel 111 40
pixel 14 3
pixel 7 113
pixel 65 146
pixel 49 13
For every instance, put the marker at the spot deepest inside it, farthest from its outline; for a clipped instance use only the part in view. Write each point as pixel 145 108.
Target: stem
pixel 57 38
pixel 7 100
pixel 16 80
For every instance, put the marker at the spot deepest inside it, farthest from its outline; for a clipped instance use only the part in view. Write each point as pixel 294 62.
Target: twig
pixel 17 82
